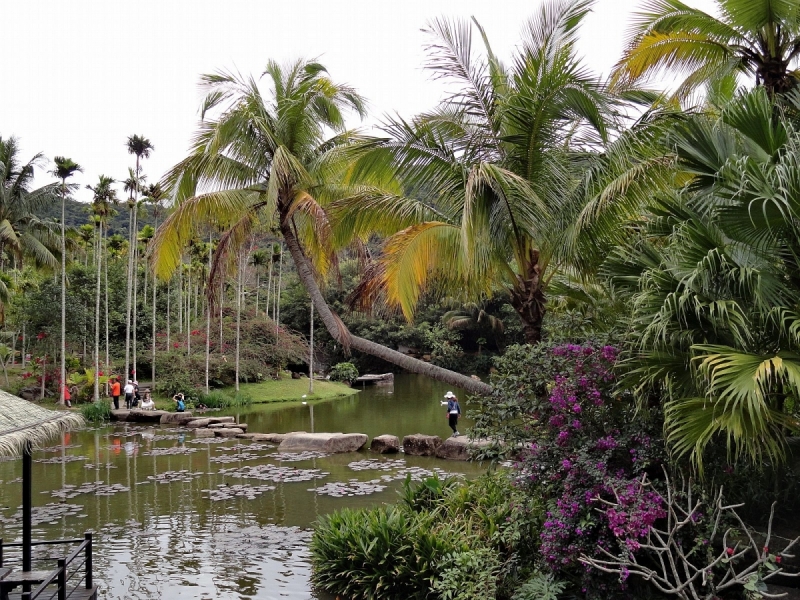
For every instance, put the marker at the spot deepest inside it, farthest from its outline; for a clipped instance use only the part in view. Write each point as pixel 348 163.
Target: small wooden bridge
pixel 71 578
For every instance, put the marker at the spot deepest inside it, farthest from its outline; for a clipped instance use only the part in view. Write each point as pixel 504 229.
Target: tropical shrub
pixel 712 276
pixel 540 586
pixel 96 412
pixel 444 539
pixel 345 371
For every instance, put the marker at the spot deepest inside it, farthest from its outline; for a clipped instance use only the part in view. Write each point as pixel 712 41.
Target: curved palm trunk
pixel 528 299
pixel 340 333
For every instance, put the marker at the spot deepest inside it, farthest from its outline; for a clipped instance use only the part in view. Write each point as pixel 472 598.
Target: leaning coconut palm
pixel 265 159
pixel 756 38
pixel 714 286
pixel 65 168
pixel 492 172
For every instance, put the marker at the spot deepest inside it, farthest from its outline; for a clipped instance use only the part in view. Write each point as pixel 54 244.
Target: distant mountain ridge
pixel 79 213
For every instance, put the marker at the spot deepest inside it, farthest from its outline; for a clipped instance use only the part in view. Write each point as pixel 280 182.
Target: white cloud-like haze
pixel 78 78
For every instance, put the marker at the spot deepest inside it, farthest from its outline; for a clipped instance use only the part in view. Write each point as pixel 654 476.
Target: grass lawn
pixel 283 390
pixel 288 389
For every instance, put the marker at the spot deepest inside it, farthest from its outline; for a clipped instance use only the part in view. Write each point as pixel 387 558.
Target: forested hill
pixel 79 213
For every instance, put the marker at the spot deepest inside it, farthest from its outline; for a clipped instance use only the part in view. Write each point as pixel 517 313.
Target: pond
pixel 179 517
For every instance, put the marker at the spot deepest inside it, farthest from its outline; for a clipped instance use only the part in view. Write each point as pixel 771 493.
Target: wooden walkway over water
pixel 78 593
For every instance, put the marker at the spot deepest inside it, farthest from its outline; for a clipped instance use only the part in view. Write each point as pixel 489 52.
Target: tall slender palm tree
pixel 492 171
pixel 155 195
pixel 260 258
pixel 65 168
pixel 103 196
pixel 757 38
pixel 140 147
pixel 269 157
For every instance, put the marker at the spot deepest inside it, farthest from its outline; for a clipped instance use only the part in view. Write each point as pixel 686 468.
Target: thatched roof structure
pixel 22 421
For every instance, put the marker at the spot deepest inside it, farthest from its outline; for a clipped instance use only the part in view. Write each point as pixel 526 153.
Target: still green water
pixel 176 517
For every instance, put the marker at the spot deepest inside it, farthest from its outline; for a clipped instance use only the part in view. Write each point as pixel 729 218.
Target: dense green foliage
pixel 345 371
pixel 444 539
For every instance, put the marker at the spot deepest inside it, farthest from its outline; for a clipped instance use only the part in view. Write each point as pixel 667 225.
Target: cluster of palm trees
pixel 535 173
pixel 30 239
pixel 533 178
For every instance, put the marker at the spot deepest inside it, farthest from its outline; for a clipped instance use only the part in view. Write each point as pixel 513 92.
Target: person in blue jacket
pixel 453 412
pixel 180 403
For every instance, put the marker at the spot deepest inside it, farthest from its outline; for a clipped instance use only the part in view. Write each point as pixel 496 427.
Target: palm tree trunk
pixel 189 311
pixel 128 295
pixel 23 345
pixel 63 375
pixel 269 282
pixel 97 326
pixel 340 333
pixel 153 336
pixel 258 284
pixel 180 298
pixel 135 305
pixel 169 325
pixel 105 277
pixel 238 316
pixel 221 302
pixel 311 354
pixel 277 312
pixel 528 300
pixel 44 373
pixel 208 316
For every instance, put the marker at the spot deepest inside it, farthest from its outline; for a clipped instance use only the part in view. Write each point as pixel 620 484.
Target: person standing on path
pixel 453 412
pixel 129 394
pixel 116 388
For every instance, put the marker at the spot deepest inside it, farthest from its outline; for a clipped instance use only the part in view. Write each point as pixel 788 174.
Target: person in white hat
pixel 453 412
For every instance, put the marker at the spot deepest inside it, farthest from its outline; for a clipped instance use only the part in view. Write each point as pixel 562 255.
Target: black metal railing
pixel 67 576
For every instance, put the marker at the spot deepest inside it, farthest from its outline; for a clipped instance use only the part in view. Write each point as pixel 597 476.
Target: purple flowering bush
pixel 582 443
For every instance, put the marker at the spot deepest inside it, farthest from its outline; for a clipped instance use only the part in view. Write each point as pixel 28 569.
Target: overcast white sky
pixel 79 77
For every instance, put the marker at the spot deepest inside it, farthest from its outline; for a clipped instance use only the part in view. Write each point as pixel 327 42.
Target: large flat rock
pixel 120 414
pixel 457 448
pixel 203 433
pixel 176 418
pixel 146 416
pixel 385 444
pixel 221 420
pixel 227 432
pixel 333 443
pixel 196 423
pixel 419 444
pixel 275 438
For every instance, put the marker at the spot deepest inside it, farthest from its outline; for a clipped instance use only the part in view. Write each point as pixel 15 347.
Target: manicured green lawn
pixel 288 389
